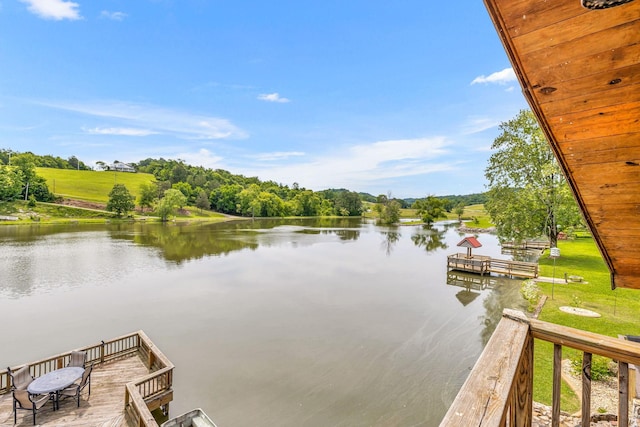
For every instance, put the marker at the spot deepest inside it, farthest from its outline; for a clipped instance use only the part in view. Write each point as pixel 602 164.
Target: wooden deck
pixel 527 245
pixel 104 408
pixel 131 378
pixel 486 265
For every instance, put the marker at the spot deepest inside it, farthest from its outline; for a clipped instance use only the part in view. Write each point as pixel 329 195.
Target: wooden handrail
pixel 96 354
pixel 486 395
pixel 499 388
pixel 136 408
pixel 590 342
pixel 160 381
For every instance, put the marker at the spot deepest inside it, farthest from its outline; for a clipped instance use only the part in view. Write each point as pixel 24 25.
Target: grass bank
pixel 473 216
pixel 618 308
pixel 91 186
pixel 51 213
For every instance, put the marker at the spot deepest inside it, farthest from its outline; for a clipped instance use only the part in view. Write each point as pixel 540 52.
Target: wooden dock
pixel 130 379
pixel 538 245
pixel 482 265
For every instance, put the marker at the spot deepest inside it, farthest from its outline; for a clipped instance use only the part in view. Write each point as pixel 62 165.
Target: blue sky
pixel 400 97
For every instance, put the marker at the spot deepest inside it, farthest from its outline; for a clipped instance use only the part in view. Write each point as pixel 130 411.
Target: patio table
pixel 55 381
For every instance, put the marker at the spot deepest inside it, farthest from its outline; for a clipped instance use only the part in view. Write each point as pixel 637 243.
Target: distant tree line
pixel 47 161
pixel 219 190
pixel 451 201
pixel 233 194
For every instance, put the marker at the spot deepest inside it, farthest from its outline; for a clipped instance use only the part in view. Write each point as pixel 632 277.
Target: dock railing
pixel 485 265
pixel 474 264
pixel 498 391
pixel 142 396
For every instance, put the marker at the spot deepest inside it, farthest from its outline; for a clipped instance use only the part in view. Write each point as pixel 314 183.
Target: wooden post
pixel 623 394
pixel 586 389
pixel 557 382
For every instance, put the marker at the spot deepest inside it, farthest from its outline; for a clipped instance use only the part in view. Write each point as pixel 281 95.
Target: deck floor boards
pixel 104 408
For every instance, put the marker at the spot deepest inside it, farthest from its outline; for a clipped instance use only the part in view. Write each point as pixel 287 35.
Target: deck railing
pixel 498 391
pixel 484 264
pixel 531 244
pixel 152 391
pixel 142 396
pixel 513 268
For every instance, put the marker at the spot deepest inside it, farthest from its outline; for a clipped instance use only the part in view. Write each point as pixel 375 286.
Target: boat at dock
pixel 194 418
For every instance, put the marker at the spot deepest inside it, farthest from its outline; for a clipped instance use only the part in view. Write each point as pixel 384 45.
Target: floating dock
pixel 538 245
pixel 482 265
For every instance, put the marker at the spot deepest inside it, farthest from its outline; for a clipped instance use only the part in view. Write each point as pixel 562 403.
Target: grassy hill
pixel 90 186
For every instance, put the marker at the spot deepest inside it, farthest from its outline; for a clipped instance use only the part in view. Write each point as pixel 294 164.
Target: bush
pixel 531 293
pixel 600 366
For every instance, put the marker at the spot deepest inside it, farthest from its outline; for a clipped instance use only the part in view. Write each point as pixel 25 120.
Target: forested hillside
pixel 214 189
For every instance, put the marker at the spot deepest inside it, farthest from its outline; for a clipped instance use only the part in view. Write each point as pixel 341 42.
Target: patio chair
pixel 21 378
pixel 74 390
pixel 22 399
pixel 77 359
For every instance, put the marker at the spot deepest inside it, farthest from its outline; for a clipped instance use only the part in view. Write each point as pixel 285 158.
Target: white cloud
pixel 54 9
pixel 116 16
pixel 154 119
pixel 120 131
pixel 202 157
pixel 278 155
pixel 364 165
pixel 499 77
pixel 272 97
pixel 478 124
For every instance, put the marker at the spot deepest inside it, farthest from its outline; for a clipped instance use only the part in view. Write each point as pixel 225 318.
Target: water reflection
pixel 430 238
pixel 391 238
pixel 503 291
pixel 302 322
pixel 526 255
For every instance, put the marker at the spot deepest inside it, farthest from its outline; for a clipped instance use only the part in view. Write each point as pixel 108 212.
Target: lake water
pixel 283 323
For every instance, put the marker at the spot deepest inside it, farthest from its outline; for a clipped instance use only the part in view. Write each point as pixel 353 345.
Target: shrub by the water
pixel 531 293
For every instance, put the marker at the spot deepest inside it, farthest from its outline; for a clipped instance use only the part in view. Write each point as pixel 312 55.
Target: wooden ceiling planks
pixel 580 71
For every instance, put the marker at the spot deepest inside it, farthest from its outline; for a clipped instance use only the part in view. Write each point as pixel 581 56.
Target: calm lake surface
pixel 283 323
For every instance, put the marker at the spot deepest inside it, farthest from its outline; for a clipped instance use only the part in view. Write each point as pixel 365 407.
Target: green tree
pixel 186 189
pixel 147 195
pixel 391 212
pixel 388 209
pixel 225 198
pixel 248 202
pixel 26 162
pixel 528 195
pixel 430 209
pixel 381 201
pixel 348 203
pixel 38 188
pixel 179 173
pixel 306 203
pixel 120 200
pixel 202 201
pixel 459 210
pixel 172 200
pixel 11 182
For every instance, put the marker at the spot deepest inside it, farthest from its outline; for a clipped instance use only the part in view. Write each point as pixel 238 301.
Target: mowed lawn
pixel 91 186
